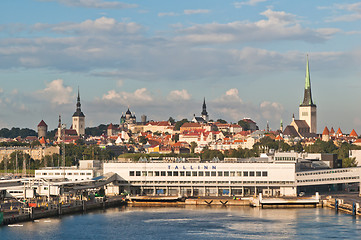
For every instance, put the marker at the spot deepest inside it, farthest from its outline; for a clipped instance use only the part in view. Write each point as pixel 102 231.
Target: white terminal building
pixel 276 174
pixel 86 170
pixel 273 175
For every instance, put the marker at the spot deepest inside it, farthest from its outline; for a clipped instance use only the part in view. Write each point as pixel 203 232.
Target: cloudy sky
pixel 247 58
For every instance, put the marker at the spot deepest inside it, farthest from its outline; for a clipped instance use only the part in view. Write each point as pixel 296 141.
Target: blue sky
pixel 247 58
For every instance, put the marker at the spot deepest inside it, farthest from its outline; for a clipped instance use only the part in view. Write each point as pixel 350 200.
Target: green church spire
pixel 308 81
pixel 307 99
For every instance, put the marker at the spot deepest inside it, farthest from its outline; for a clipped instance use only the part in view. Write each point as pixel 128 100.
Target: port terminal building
pixel 277 174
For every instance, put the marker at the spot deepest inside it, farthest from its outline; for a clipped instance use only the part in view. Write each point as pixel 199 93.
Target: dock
pixel 34 213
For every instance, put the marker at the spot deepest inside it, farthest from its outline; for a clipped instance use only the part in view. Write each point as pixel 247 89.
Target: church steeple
pixel 204 111
pixel 204 108
pixel 79 118
pixel 307 99
pixel 78 112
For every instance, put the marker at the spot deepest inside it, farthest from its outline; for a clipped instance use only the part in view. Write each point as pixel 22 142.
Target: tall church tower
pixel 79 118
pixel 307 109
pixel 204 113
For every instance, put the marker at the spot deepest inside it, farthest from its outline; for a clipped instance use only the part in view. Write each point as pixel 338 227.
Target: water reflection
pixel 191 222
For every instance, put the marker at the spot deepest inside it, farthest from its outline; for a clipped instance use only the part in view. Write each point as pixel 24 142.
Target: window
pixel 169 173
pixel 232 174
pixel 194 174
pixel 156 173
pixel 245 174
pixel 239 174
pixel 251 174
pixel 264 174
pixel 200 174
pixel 131 173
pixel 150 174
pixel 188 173
pixel 162 173
pixel 182 174
pixel 137 173
pixel 226 174
pixel 144 173
pixel 213 174
pixel 220 174
pixel 258 174
pixel 207 174
pixel 175 174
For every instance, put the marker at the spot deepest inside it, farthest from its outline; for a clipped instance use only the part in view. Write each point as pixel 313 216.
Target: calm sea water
pixel 192 223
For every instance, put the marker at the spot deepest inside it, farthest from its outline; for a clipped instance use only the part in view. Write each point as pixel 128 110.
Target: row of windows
pixel 57 173
pixel 199 173
pixel 323 172
pixel 285 158
pixel 328 179
pixel 210 182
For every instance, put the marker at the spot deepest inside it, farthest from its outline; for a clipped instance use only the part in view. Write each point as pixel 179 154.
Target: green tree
pixel 349 162
pixel 208 154
pixel 221 121
pixel 193 146
pixel 244 125
pixel 180 123
pixel 143 140
pixel 171 120
pixel 175 137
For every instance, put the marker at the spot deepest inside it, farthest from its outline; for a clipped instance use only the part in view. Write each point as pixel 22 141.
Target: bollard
pixel 336 205
pixel 354 209
pixel 84 205
pixel 59 209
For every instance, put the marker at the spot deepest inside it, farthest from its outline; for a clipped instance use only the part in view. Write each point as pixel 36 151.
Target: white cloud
pixel 56 92
pixel 95 4
pixel 231 96
pixel 139 96
pixel 97 26
pixel 271 110
pixel 353 12
pixel 179 95
pixel 169 14
pixel 196 11
pixel 278 25
pixel 247 3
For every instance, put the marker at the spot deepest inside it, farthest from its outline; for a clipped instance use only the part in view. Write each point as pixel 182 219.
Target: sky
pixel 162 58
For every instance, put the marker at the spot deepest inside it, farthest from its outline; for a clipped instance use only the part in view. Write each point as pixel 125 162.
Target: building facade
pixel 226 178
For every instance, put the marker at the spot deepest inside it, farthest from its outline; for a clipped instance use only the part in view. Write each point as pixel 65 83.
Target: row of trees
pixel 16 132
pixel 72 154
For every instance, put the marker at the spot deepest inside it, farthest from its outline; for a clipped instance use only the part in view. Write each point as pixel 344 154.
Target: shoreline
pixel 331 202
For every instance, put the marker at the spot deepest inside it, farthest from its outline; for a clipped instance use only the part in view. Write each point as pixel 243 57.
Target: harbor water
pixel 192 222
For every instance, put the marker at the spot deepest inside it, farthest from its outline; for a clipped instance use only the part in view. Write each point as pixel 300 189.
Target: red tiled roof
pixel 332 131
pixel 42 124
pixel 191 124
pixel 353 133
pixel 42 140
pixel 339 131
pixel 279 138
pixel 326 131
